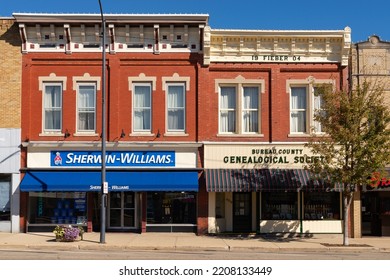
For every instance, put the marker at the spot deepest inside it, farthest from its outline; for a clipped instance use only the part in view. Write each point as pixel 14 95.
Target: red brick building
pixel 261 93
pixel 152 64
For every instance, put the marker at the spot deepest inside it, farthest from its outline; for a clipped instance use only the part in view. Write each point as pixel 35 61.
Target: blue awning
pixel 85 181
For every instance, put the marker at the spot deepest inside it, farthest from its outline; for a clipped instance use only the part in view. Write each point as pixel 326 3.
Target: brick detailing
pixel 10 74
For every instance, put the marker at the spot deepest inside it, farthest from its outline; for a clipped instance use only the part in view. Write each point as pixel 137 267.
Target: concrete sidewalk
pixel 190 241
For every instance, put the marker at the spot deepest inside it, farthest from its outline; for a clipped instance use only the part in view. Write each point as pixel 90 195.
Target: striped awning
pixel 253 180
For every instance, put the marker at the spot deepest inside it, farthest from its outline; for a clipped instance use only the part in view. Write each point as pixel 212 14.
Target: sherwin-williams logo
pixel 113 158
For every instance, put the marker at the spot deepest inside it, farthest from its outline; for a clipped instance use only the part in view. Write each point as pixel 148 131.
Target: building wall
pixel 10 116
pixel 10 78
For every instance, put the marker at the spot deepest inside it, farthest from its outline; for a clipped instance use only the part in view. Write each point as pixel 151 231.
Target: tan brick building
pixel 10 121
pixel 370 61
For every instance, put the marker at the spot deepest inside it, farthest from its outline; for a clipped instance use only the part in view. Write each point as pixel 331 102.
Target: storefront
pixel 148 190
pixel 9 180
pixel 265 189
pixel 375 207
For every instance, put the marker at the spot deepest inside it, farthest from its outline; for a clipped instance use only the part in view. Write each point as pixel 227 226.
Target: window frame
pixel 183 108
pixel 150 86
pixel 240 84
pixel 44 108
pixel 310 84
pixel 86 131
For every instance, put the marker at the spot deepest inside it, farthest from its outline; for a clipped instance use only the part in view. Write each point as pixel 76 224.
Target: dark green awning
pixel 253 180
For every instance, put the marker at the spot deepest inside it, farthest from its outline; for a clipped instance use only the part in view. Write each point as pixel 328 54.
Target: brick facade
pixel 10 78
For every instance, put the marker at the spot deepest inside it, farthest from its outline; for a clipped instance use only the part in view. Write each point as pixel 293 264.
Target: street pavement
pixel 190 241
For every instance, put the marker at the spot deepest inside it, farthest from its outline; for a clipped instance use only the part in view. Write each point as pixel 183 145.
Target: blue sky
pixel 364 18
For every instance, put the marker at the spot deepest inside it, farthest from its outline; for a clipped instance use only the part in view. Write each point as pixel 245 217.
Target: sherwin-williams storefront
pixel 265 189
pixel 149 190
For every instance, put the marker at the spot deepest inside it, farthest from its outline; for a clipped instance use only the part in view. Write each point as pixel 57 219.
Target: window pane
pixel 228 109
pixel 142 108
pixel 86 107
pixel 298 109
pixel 52 107
pixel 5 206
pixel 176 108
pixel 250 111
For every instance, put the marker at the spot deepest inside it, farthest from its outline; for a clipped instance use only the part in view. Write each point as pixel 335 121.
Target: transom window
pixel 239 109
pixel 176 107
pixel 142 107
pixel 52 103
pixel 86 107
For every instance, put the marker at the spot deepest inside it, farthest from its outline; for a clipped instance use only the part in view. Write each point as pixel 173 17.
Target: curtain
pixel 176 108
pixel 142 108
pixel 228 109
pixel 251 107
pixel 53 107
pixel 317 104
pixel 86 107
pixel 298 109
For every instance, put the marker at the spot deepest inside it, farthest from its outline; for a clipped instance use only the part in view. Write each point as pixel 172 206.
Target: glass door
pixel 121 210
pixel 242 214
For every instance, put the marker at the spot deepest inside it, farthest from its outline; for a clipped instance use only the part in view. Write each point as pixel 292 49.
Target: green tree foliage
pixel 355 141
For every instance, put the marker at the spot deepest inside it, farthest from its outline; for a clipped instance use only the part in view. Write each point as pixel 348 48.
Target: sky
pixel 365 18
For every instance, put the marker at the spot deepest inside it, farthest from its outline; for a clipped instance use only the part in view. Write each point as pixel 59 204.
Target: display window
pixel 171 208
pixel 279 206
pixel 5 191
pixel 321 206
pixel 58 208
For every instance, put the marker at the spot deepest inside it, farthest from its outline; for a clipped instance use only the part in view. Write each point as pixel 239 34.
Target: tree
pixel 355 139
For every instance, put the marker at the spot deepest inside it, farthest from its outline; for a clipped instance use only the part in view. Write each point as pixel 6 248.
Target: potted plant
pixel 59 233
pixel 67 233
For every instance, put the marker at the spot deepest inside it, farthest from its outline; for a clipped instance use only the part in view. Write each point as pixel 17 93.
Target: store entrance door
pixel 371 221
pixel 121 210
pixel 242 214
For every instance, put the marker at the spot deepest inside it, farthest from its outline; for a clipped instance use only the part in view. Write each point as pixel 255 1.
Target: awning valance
pixel 253 180
pixel 117 181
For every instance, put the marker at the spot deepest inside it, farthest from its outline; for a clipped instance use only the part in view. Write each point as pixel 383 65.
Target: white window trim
pixel 310 83
pixel 52 79
pixel 239 83
pixel 87 79
pixel 142 79
pixel 175 79
pixel 142 132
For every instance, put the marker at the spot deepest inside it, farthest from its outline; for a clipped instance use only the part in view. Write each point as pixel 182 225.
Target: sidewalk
pixel 190 241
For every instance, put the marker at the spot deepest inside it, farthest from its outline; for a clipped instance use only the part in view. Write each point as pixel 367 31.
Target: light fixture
pixel 158 134
pixel 66 134
pixel 122 134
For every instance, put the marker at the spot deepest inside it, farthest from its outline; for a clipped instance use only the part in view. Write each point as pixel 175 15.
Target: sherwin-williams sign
pixel 113 158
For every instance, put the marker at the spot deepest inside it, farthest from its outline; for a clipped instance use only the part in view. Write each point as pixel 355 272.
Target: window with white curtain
pixel 228 107
pixel 176 107
pixel 239 107
pixel 317 106
pixel 86 107
pixel 298 110
pixel 52 103
pixel 250 111
pixel 142 105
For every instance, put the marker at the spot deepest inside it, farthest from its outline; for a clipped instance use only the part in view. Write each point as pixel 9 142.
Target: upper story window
pixel 52 107
pixel 305 103
pixel 239 106
pixel 86 107
pixel 142 107
pixel 176 108
pixel 52 88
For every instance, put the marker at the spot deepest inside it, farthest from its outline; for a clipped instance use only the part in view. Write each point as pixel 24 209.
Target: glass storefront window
pixel 321 206
pixel 279 206
pixel 5 205
pixel 58 208
pixel 171 208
